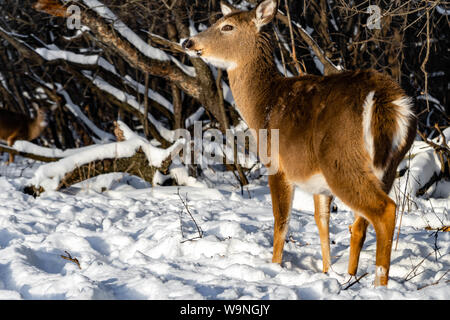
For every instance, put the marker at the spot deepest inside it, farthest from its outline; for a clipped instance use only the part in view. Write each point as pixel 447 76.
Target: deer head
pixel 233 39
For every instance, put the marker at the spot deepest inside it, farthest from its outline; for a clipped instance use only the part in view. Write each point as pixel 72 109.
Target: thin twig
pixel 425 60
pixel 291 33
pixel 281 52
pixel 432 144
pixel 199 230
pixel 436 282
pixel 416 267
pixel 403 201
pixel 356 281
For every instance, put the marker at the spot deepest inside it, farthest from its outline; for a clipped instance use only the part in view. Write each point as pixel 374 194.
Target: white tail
pixel 16 126
pixel 341 135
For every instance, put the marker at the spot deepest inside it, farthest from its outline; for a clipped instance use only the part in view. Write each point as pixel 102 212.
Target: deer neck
pixel 253 82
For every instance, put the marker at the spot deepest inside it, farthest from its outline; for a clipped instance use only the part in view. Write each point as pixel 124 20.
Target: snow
pixel 54 54
pixel 194 117
pixel 134 241
pixel 26 146
pixel 3 82
pixel 443 11
pixel 190 71
pixel 424 164
pixel 429 97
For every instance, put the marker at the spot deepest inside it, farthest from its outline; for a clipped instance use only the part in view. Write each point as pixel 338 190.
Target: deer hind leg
pixel 384 225
pixel 322 217
pixel 379 210
pixel 354 183
pixel 357 237
pixel 11 159
pixel 282 192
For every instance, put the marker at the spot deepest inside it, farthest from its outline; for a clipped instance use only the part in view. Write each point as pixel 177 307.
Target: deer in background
pixel 17 126
pixel 340 135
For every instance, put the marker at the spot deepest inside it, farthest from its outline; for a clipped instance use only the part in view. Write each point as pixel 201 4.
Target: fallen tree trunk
pixel 137 165
pixel 65 172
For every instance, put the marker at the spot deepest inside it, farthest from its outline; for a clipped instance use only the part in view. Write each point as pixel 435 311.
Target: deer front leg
pixel 10 142
pixel 11 159
pixel 282 192
pixel 322 216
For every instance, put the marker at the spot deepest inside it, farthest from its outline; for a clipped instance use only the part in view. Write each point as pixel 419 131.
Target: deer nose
pixel 187 44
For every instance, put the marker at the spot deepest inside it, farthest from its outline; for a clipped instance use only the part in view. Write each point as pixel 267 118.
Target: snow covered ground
pixel 137 242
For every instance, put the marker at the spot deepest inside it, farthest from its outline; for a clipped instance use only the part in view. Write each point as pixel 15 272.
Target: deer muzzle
pixel 189 46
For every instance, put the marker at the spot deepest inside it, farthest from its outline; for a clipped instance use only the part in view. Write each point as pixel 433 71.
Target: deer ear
pixel 226 8
pixel 265 12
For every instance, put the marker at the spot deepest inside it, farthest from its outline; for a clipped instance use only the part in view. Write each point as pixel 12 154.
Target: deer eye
pixel 227 27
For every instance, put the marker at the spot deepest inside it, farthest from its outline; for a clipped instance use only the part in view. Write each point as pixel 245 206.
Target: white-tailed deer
pixel 17 126
pixel 341 135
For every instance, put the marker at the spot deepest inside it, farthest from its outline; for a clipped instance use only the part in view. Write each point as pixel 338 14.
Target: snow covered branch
pixel 133 155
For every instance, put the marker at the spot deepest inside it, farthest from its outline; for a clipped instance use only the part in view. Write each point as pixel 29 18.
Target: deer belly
pixel 315 184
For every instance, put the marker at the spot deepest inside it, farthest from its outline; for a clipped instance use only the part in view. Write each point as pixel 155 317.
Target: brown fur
pixel 15 126
pixel 53 7
pixel 320 122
